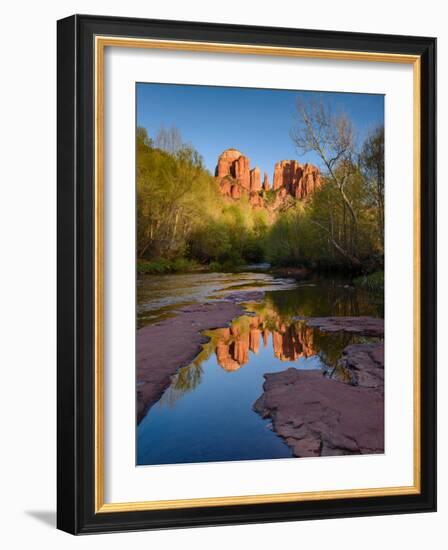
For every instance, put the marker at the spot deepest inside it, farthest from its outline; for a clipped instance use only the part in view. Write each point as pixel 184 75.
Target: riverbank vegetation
pixel 184 223
pixel 374 282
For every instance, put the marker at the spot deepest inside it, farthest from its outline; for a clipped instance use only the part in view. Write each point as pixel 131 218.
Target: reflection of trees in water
pixel 331 348
pixel 340 373
pixel 330 345
pixel 323 300
pixel 187 379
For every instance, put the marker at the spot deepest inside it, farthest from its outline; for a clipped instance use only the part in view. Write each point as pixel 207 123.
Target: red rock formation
pixel 242 172
pixel 226 187
pixel 266 186
pixel 234 174
pixel 234 164
pixel 236 192
pixel 256 200
pixel 290 178
pixel 226 163
pixel 299 180
pixel 255 179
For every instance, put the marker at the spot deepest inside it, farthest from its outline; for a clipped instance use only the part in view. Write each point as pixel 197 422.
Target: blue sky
pixel 257 122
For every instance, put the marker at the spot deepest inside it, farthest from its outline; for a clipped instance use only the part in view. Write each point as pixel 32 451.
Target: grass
pixel 373 282
pixel 227 266
pixel 162 266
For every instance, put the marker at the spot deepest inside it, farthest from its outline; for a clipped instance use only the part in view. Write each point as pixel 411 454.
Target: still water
pixel 206 414
pixel 158 296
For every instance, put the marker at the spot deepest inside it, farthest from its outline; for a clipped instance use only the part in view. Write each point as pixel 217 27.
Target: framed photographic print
pixel 246 274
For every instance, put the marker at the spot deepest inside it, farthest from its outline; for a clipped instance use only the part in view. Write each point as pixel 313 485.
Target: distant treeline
pixel 182 219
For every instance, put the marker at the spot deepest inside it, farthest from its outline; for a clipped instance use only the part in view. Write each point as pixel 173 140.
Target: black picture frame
pixel 76 262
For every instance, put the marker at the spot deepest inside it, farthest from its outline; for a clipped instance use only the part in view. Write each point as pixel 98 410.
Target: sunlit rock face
pixel 235 166
pixel 226 163
pixel 255 179
pixel 299 180
pixel 256 200
pixel 236 178
pixel 266 185
pixel 291 179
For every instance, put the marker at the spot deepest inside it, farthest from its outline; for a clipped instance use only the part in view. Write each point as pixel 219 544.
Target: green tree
pixel 371 161
pixel 171 190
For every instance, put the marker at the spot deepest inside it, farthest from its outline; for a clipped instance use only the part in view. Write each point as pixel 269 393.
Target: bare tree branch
pixel 331 137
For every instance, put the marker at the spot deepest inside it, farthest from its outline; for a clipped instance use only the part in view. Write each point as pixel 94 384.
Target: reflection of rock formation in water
pixel 233 345
pixel 232 353
pixel 254 339
pixel 290 342
pixel 265 337
pixel 293 342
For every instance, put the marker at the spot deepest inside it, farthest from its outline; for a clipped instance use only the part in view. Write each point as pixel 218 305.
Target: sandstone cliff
pixel 291 179
pixel 299 180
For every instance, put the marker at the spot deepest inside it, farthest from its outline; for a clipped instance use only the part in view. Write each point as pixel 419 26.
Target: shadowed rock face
pixel 318 415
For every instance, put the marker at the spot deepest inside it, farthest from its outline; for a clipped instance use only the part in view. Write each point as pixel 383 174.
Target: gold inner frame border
pixel 101 42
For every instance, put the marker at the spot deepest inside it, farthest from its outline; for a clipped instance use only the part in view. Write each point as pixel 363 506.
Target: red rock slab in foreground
pixel 365 326
pixel 163 348
pixel 318 416
pixel 366 362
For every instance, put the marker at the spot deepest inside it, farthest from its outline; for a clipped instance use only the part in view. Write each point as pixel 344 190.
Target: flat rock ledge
pixel 363 326
pixel 165 347
pixel 320 416
pixel 366 363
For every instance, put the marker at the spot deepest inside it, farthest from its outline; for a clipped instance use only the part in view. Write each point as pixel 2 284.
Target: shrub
pixel 373 282
pixel 180 265
pixel 161 266
pixel 215 266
